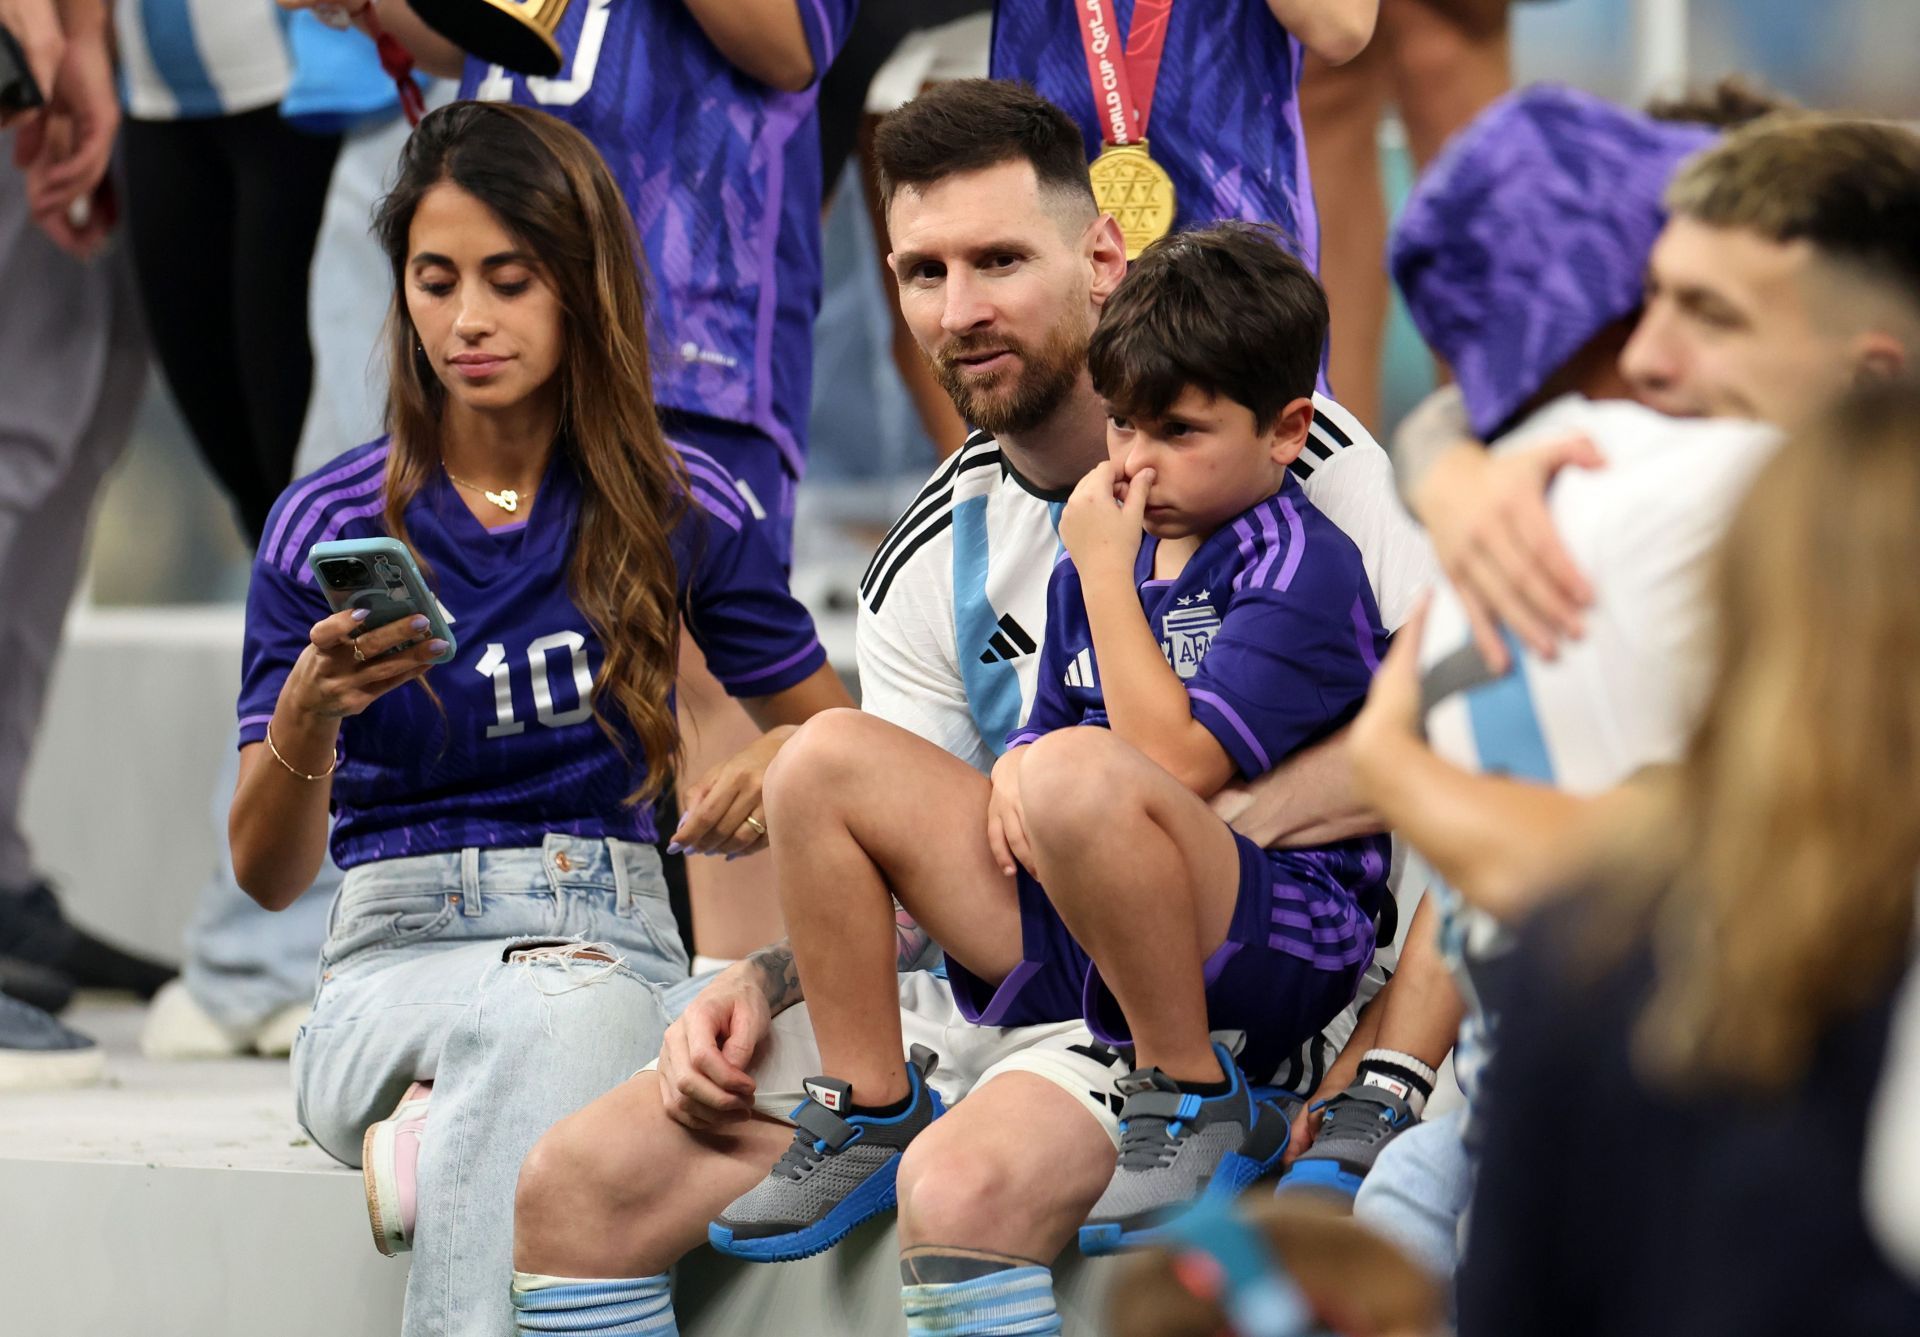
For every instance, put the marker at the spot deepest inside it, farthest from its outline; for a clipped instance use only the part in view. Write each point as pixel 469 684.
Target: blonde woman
pixel 1677 1117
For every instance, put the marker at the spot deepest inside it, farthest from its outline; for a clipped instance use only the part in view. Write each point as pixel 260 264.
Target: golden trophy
pixel 515 33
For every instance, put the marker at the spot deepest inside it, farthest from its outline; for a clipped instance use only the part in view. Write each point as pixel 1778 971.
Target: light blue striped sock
pixel 1015 1303
pixel 642 1305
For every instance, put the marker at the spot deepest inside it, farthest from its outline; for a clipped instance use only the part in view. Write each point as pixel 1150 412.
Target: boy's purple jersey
pixel 1225 119
pixel 1274 633
pixel 513 750
pixel 722 173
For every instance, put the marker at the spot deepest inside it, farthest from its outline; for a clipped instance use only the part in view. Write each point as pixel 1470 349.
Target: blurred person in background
pixel 1762 300
pixel 1209 91
pixel 704 112
pixel 1264 1268
pixel 1438 63
pixel 72 366
pixel 1677 1118
pixel 500 940
pixel 223 204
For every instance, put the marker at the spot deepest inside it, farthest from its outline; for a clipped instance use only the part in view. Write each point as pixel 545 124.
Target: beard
pixel 1021 399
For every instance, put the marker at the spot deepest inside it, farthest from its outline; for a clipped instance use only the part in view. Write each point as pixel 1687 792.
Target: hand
pixel 723 805
pixel 1006 827
pixel 1103 520
pixel 35 25
pixel 704 1082
pixel 1487 515
pixel 66 167
pixel 1344 1072
pixel 1391 715
pixel 331 681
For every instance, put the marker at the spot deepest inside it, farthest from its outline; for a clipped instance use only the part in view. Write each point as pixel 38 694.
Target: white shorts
pixel 1064 1053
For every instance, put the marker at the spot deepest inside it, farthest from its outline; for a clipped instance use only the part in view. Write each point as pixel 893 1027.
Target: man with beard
pixel 1003 263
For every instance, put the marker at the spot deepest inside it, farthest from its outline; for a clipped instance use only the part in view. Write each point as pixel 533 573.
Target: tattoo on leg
pixel 945 1264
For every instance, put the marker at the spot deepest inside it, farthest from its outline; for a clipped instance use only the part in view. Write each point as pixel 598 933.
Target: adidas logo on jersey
pixel 1080 672
pixel 1009 643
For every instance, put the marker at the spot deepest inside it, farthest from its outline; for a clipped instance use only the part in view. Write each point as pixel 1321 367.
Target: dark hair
pixel 1729 103
pixel 1850 188
pixel 550 189
pixel 966 125
pixel 1228 310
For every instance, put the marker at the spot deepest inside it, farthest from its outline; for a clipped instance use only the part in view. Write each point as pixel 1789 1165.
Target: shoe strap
pixel 823 1125
pixel 1153 1105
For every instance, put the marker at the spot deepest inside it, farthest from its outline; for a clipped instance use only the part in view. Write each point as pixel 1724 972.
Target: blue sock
pixel 642 1305
pixel 1016 1302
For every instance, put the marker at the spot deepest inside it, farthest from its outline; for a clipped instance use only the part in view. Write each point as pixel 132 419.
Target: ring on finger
pixel 759 827
pixel 359 657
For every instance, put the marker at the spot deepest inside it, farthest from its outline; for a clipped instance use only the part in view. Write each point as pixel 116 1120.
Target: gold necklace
pixel 506 498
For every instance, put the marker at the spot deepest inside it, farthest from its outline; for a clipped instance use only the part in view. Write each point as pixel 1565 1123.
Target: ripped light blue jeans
pixel 415 985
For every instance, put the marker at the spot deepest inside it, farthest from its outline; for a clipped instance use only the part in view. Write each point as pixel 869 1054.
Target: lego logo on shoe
pixel 828 1093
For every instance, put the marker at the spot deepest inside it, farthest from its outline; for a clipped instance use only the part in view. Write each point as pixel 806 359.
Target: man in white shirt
pixel 1003 264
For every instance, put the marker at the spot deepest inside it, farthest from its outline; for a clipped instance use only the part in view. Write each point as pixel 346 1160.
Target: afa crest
pixel 1185 636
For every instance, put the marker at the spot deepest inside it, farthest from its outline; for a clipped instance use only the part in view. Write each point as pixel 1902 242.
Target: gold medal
pixel 1136 190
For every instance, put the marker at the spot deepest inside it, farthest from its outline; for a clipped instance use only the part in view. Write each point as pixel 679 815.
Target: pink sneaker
pixel 388 1155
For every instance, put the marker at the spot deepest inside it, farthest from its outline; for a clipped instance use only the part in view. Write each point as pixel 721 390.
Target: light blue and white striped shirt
pixel 188 59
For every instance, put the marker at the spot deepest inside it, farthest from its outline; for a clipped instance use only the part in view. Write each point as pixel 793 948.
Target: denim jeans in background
pixel 415 986
pixel 1417 1192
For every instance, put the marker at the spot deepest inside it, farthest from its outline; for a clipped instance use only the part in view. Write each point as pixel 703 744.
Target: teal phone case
pixel 389 587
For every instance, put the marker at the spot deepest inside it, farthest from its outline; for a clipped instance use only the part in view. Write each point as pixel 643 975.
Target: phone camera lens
pixel 345 574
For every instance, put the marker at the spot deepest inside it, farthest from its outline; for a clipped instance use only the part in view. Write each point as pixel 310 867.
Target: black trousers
pixel 222 213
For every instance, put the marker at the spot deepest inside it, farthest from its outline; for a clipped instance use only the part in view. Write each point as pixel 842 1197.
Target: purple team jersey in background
pixel 1225 120
pixel 514 751
pixel 723 176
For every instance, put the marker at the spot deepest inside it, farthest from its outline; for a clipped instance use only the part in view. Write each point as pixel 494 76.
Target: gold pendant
pixel 507 500
pixel 1136 190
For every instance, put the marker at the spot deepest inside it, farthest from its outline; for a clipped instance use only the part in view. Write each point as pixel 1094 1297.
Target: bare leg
pixel 735 909
pixel 1010 1172
pixel 860 811
pixel 1341 107
pixel 1448 59
pixel 1149 908
pixel 620 1190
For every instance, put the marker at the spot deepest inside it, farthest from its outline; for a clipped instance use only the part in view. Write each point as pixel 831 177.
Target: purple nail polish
pixel 360 614
pixel 436 646
pixel 419 623
pixel 675 847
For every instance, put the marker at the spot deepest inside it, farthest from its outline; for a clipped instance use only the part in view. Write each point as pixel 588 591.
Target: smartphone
pixel 378 575
pixel 18 89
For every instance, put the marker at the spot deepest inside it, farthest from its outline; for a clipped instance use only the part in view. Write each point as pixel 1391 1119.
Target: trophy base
pixel 497 31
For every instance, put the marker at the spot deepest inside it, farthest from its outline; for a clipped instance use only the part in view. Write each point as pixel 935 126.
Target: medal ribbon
pixel 397 61
pixel 1123 87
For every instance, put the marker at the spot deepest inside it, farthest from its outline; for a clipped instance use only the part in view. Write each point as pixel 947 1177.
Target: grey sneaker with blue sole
pixel 1176 1148
pixel 37 1052
pixel 1356 1127
pixel 838 1171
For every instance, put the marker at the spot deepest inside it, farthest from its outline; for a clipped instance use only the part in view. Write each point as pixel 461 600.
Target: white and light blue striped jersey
pixel 186 59
pixel 1624 696
pixel 953 607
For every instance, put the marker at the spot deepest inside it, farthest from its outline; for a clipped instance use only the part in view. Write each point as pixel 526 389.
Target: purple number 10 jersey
pixel 511 750
pixel 722 173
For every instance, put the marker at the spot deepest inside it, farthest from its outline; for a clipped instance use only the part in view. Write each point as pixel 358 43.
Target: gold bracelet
pixel 289 765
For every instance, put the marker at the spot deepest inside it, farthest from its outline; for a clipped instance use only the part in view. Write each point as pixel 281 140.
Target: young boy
pixel 1237 629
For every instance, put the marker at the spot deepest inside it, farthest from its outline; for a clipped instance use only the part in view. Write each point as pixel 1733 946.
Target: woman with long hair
pixel 1677 1117
pixel 499 943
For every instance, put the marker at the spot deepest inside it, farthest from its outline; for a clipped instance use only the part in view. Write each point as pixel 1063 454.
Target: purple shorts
pixel 1302 935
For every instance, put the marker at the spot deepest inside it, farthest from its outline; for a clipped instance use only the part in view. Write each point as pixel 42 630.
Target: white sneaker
pixel 178 1028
